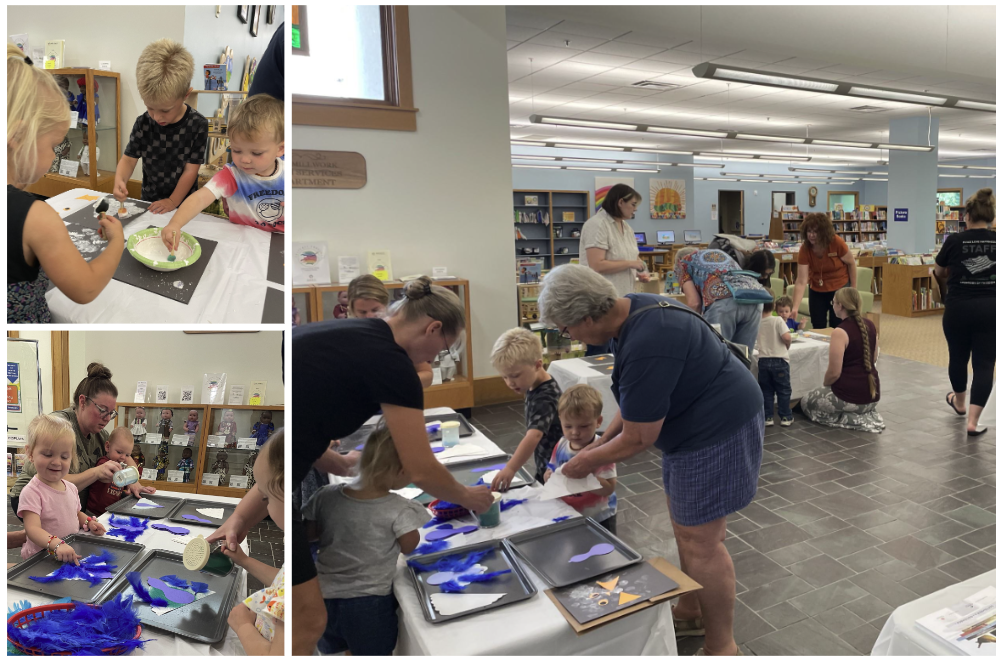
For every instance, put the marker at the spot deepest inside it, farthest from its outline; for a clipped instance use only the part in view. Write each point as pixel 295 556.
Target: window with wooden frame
pixel 950 197
pixel 352 67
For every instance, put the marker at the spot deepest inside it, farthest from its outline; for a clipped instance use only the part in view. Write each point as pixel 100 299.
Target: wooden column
pixel 61 394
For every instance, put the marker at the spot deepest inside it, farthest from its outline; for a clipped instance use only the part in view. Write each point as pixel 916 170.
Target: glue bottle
pixel 125 476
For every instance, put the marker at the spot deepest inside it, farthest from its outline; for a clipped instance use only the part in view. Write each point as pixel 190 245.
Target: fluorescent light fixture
pixel 531 143
pixel 529 165
pixel 875 173
pixel 532 157
pixel 892 95
pixel 773 139
pixel 752 180
pixel 962 176
pixel 840 143
pixel 720 179
pixel 583 146
pixel 907 148
pixel 773 79
pixel 647 150
pixel 688 132
pixel 874 179
pixel 976 105
pixel 696 165
pixel 784 159
pixel 811 170
pixel 591 160
pixel 635 170
pixel 585 168
pixel 592 124
pixel 751 157
pixel 968 167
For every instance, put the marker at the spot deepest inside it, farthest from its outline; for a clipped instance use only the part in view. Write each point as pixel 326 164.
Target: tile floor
pixel 264 541
pixel 845 526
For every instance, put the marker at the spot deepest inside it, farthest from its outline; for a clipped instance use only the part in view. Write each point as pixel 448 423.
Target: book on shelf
pixel 215 77
pixel 568 217
pixel 540 216
pixel 528 270
pixel 969 626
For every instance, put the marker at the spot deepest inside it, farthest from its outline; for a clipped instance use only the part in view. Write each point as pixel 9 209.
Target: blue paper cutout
pixel 508 504
pixel 446 531
pixel 172 594
pixel 500 466
pixel 141 592
pixel 598 549
pixel 172 530
pixel 189 516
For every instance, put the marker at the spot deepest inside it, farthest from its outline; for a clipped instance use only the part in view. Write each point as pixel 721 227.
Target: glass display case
pixel 168 443
pixel 233 439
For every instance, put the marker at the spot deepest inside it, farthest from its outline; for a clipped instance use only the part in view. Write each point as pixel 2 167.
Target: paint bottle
pixel 125 476
pixel 197 557
pixel 493 516
pixel 451 433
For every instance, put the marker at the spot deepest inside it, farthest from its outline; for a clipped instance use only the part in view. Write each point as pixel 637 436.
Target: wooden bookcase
pixel 947 225
pixel 545 237
pixel 786 266
pixel 877 264
pixel 862 230
pixel 907 291
pixel 791 223
pixel 459 392
pixel 107 135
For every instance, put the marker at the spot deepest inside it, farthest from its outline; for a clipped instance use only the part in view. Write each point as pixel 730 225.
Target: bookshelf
pixel 948 222
pixel 877 264
pixel 549 224
pixel 866 224
pixel 791 223
pixel 786 266
pixel 908 291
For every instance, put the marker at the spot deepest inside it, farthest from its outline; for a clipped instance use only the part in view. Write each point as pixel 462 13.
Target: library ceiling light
pixel 635 170
pixel 531 143
pixel 772 139
pixel 532 157
pixel 591 124
pixel 841 143
pixel 579 159
pixel 585 168
pixel 835 172
pixel 874 179
pixel 842 88
pixel 688 132
pixel 623 162
pixel 967 167
pixel 583 146
pixel 719 179
pixel 908 148
pixel 963 176
pixel 648 150
pixel 748 157
pixel 527 165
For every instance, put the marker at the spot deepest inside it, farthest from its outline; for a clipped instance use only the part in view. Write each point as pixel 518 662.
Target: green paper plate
pixel 186 243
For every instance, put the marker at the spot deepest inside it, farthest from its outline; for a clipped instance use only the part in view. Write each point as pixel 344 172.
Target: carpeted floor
pixel 919 339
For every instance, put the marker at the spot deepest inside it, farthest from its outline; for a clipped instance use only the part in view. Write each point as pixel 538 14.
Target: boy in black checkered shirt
pixel 171 136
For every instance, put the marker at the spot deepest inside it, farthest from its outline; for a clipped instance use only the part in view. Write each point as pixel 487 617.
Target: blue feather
pixel 445 526
pixel 128 528
pixel 85 630
pixel 200 587
pixel 483 577
pixel 558 520
pixel 85 571
pixel 443 505
pixel 434 547
pixel 430 523
pixel 451 587
pixel 454 563
pixel 508 504
pixel 175 581
pixel 142 594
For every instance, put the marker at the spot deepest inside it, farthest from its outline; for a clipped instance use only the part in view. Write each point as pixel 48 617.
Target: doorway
pixel 779 199
pixel 730 213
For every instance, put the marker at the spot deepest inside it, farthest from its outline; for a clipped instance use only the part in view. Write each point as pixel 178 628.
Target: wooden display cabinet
pixel 786 266
pixel 175 451
pixel 238 459
pixel 106 135
pixel 304 300
pixel 907 291
pixel 877 265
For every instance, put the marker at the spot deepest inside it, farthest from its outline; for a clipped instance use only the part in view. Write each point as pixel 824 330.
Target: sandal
pixel 951 404
pixel 970 433
pixel 739 652
pixel 688 627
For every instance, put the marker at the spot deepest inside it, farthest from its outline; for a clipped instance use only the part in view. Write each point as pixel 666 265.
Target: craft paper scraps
pixel 93 569
pixel 453 604
pixel 598 549
pixel 461 450
pixel 144 503
pixel 129 528
pixel 169 528
pixel 559 486
pixel 188 516
pixel 168 592
pixel 627 598
pixel 408 492
pixel 212 513
pixel 610 584
pixel 505 505
pixel 447 530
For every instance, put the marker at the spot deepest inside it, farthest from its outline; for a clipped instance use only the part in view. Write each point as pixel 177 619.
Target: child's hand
pixel 170 235
pixel 96 527
pixel 163 206
pixel 110 228
pixel 237 555
pixel 801 322
pixel 547 475
pixel 66 554
pixel 239 616
pixel 503 479
pixel 120 191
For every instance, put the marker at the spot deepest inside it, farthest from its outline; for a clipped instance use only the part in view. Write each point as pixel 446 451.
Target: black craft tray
pixel 204 620
pixel 516 585
pixel 605 359
pixel 547 550
pixel 350 442
pixel 276 259
pixel 42 564
pixel 273 312
pixel 136 274
pixel 189 506
pixel 124 507
pixel 462 473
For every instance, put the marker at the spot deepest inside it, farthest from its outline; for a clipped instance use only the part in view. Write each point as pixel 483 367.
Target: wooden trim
pixel 135 188
pixel 396 112
pixel 962 200
pixel 842 193
pixel 13 334
pixel 61 394
pixel 492 391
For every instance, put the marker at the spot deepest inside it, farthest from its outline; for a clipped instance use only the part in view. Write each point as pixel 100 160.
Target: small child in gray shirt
pixel 361 529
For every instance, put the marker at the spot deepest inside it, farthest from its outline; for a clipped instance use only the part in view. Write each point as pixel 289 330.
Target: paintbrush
pixel 101 209
pixel 174 241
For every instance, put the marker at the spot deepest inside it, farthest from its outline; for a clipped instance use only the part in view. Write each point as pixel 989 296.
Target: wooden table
pixel 648 257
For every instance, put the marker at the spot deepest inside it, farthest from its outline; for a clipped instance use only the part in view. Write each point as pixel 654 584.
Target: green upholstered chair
pixel 777 287
pixel 865 277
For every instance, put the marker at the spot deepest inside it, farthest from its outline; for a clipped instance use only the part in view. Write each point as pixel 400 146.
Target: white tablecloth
pixel 902 637
pixel 163 643
pixel 232 289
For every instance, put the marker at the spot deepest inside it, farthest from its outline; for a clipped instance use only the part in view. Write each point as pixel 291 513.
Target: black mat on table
pixel 137 274
pixel 83 226
pixel 274 309
pixel 276 259
pixel 87 216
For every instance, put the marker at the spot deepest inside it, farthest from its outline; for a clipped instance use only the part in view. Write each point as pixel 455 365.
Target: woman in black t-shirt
pixel 968 263
pixel 346 371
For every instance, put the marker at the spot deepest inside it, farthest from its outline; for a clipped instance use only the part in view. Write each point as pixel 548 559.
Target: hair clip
pixel 28 60
pixel 427 289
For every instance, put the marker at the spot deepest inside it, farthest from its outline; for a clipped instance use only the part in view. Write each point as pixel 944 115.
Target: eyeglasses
pixel 565 334
pixel 457 344
pixel 102 410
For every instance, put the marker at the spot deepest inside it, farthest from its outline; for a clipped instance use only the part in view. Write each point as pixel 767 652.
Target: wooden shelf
pixel 901 284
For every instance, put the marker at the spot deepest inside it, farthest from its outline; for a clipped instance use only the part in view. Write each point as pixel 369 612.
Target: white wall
pixel 440 196
pixel 44 339
pixel 176 359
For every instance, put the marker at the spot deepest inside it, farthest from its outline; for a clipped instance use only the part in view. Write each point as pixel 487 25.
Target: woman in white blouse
pixel 610 246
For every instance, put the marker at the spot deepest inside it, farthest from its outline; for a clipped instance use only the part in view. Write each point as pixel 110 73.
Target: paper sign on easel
pixel 153 438
pixel 236 395
pixel 180 440
pixel 188 395
pixel 140 396
pixel 210 479
pixel 216 440
pixel 247 443
pixel 176 476
pixel 162 393
pixel 238 482
pixel 69 168
pixel 150 473
pixel 214 386
pixel 348 269
pixel 257 392
pixel 310 263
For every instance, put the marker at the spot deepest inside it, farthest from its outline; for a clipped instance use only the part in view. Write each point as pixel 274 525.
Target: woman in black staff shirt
pixel 968 262
pixel 344 372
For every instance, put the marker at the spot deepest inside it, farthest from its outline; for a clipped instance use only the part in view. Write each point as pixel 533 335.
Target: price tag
pixel 180 440
pixel 73 119
pixel 150 473
pixel 140 396
pixel 152 438
pixel 238 482
pixel 216 440
pixel 210 479
pixel 247 443
pixel 437 376
pixel 162 393
pixel 69 168
pixel 176 476
pixel 188 395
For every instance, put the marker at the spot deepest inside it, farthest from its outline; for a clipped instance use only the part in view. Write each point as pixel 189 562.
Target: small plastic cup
pixel 125 476
pixel 451 433
pixel 493 516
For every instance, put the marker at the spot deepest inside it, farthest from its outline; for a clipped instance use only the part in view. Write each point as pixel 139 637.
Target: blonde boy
pixel 518 357
pixel 581 412
pixel 171 136
pixel 252 187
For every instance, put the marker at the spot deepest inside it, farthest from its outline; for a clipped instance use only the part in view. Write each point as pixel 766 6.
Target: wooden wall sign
pixel 317 169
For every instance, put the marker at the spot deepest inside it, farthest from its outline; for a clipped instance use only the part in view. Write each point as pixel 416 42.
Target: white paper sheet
pixel 408 492
pixel 461 450
pixel 211 513
pixel 559 486
pixel 488 477
pixel 144 503
pixel 451 604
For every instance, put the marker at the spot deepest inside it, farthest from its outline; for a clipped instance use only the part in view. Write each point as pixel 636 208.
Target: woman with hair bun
pixel 966 270
pixel 346 372
pixel 93 408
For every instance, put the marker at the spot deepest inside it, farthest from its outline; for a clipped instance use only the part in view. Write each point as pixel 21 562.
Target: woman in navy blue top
pixel 672 378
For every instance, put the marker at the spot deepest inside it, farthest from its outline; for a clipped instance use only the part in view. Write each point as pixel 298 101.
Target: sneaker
pixel 768 423
pixel 787 421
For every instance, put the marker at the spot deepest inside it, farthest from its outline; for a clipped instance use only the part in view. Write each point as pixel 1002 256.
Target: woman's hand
pixel 237 555
pixel 503 479
pixel 578 467
pixel 239 616
pixel 105 471
pixel 644 277
pixel 109 228
pixel 479 499
pixel 66 554
pixel 640 266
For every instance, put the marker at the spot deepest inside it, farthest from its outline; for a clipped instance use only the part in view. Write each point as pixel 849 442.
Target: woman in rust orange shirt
pixel 826 265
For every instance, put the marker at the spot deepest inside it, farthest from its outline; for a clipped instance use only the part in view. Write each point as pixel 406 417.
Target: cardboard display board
pixel 24 388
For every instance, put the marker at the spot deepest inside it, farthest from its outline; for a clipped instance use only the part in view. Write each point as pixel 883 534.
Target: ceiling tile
pixel 760 56
pixel 511 44
pixel 589 30
pixel 528 19
pixel 709 49
pixel 807 64
pixel 656 65
pixel 626 50
pixel 558 39
pixel 599 58
pixel 519 33
pixel 657 41
pixel 679 57
pixel 623 76
pixel 847 70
